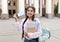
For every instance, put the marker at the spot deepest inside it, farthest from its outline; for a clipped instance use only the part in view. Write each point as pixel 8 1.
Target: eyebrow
pixel 29 10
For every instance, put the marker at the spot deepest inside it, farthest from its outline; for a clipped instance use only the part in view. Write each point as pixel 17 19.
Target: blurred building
pixel 44 8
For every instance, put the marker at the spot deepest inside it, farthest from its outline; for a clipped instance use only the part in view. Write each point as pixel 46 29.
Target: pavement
pixel 9 32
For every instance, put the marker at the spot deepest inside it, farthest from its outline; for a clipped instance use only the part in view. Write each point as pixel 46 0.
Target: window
pixel 14 3
pixel 9 3
pixel 9 11
pixel 14 11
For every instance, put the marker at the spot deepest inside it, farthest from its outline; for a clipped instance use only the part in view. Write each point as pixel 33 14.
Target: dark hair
pixel 26 9
pixel 27 18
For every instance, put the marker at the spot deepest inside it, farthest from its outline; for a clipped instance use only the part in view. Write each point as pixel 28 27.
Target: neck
pixel 30 18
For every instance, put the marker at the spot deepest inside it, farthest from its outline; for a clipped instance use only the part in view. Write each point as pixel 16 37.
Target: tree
pixel 0 11
pixel 56 9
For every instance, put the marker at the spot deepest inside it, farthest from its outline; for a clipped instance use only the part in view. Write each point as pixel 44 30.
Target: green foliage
pixel 0 11
pixel 56 9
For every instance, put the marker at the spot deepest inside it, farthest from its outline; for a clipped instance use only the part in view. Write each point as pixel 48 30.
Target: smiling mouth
pixel 29 13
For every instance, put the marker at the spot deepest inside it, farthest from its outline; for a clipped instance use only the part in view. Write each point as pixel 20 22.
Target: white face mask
pixel 21 14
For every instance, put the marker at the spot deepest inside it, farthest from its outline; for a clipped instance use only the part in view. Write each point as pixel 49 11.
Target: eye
pixel 31 10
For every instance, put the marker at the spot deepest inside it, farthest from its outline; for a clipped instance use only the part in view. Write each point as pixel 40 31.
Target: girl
pixel 30 16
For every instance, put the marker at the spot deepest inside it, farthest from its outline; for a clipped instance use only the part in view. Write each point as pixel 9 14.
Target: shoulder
pixel 37 20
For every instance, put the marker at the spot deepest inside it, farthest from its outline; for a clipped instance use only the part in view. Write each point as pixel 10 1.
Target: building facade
pixel 43 8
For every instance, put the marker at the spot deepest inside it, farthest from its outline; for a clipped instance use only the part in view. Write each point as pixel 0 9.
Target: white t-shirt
pixel 31 35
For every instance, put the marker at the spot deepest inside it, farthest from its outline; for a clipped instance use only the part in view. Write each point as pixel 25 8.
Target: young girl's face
pixel 30 12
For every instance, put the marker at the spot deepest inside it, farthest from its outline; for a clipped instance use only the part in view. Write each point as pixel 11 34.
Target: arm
pixel 18 25
pixel 15 17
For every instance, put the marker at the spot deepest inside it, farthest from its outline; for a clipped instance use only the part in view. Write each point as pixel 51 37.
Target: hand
pixel 26 34
pixel 15 17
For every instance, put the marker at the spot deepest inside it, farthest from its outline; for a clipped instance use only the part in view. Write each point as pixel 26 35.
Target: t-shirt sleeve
pixel 19 24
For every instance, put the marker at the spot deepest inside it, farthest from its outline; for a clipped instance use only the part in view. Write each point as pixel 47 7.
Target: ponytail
pixel 23 28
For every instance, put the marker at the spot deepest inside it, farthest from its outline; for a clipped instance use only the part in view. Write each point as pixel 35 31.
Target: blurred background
pixel 48 11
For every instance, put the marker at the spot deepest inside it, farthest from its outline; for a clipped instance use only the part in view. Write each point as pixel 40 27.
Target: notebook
pixel 31 27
